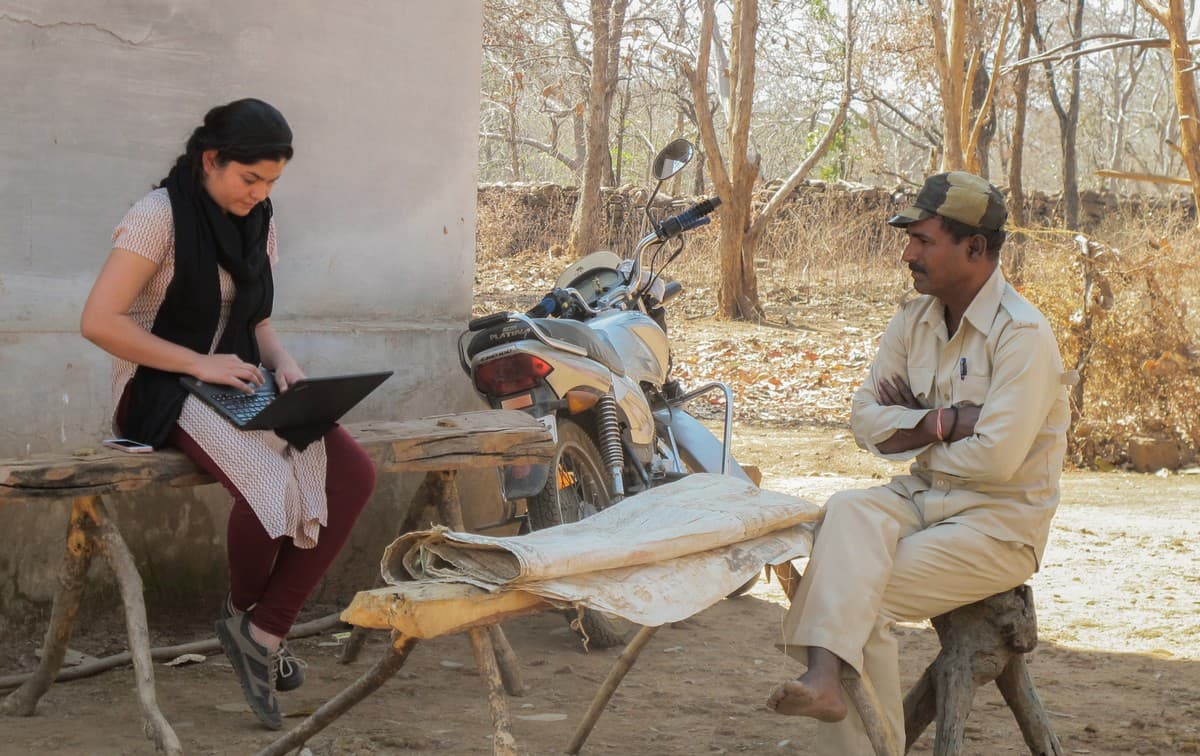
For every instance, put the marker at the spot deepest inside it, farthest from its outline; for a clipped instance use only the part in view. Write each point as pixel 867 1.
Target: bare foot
pixel 797 698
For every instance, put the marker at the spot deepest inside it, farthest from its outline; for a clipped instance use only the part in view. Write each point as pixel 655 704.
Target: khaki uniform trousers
pixel 876 561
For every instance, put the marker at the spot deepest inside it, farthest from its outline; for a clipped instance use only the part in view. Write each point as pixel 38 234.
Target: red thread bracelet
pixel 939 424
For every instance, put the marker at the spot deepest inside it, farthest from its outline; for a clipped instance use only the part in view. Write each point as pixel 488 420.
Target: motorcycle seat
pixel 598 347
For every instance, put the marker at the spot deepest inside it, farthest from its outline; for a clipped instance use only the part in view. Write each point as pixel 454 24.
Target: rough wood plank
pixel 468 440
pixel 424 609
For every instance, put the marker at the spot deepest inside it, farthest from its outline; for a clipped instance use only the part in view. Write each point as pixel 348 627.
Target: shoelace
pixel 288 664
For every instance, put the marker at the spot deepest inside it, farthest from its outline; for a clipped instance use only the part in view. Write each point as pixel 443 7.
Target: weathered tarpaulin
pixel 657 557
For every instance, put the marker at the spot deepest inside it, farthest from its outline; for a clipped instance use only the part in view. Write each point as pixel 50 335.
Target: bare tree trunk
pixel 513 152
pixel 622 118
pixel 950 56
pixel 1016 186
pixel 738 295
pixel 982 103
pixel 588 225
pixel 977 138
pixel 740 228
pixel 1174 19
pixel 1071 130
pixel 698 183
pixel 1068 118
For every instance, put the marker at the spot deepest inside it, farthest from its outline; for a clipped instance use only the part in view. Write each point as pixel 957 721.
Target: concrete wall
pixel 376 221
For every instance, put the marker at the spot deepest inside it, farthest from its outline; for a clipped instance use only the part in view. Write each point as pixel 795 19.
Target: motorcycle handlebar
pixel 691 218
pixel 548 306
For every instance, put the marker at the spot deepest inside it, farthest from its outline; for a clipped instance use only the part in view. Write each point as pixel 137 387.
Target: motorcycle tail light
pixel 508 375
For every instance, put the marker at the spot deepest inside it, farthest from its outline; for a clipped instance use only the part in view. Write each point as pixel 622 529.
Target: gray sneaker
pixel 289 671
pixel 254 666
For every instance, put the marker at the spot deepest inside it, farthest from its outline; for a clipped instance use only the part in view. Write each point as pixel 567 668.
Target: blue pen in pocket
pixel 962 369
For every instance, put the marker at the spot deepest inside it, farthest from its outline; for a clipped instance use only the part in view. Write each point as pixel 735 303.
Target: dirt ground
pixel 1118 600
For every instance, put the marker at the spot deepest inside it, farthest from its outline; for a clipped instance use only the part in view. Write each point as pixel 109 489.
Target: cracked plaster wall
pixel 376 230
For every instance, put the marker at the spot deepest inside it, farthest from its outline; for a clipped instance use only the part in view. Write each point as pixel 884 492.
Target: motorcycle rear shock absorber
pixel 609 434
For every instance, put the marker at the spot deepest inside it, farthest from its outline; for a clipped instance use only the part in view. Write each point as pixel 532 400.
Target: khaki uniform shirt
pixel 1003 480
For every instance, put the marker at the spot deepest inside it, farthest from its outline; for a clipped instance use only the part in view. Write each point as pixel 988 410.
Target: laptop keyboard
pixel 244 406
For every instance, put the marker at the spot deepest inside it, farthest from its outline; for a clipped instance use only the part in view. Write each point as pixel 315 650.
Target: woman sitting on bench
pixel 187 290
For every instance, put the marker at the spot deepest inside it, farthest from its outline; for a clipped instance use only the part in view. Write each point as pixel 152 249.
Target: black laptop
pixel 307 401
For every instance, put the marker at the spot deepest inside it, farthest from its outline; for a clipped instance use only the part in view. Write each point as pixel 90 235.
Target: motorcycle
pixel 592 362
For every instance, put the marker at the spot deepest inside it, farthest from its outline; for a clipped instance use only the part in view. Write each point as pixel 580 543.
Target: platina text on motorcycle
pixel 592 361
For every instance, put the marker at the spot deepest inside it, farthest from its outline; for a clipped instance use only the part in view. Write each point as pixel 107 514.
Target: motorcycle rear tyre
pixel 585 492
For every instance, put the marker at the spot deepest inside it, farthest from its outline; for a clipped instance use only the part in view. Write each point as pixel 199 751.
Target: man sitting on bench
pixel 969 383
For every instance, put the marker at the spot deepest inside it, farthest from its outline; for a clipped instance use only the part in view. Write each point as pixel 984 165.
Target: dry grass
pixel 1136 336
pixel 1138 332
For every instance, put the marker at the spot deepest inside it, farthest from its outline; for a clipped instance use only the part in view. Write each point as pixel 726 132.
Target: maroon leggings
pixel 272 574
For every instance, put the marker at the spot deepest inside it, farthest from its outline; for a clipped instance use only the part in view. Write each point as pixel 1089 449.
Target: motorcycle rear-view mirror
pixel 672 159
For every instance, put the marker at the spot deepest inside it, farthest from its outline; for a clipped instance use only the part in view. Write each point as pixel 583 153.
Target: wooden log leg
pixel 1016 686
pixel 71 577
pixel 503 743
pixel 616 674
pixel 110 542
pixel 358 636
pixel 423 500
pixel 981 642
pixel 393 659
pixel 955 694
pixel 866 701
pixel 444 490
pixel 507 661
pixel 789 579
pixel 920 709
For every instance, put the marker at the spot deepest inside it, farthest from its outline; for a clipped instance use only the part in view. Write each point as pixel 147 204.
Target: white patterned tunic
pixel 285 487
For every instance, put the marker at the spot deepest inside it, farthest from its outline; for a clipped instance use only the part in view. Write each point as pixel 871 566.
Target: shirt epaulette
pixel 1019 309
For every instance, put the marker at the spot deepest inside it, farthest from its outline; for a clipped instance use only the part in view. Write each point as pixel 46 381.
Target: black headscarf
pixel 205 237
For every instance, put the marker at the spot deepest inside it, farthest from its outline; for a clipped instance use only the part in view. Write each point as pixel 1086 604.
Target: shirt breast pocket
pixel 920 380
pixel 972 390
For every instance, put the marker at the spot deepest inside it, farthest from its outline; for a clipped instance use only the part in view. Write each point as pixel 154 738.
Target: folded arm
pixel 1026 380
pixel 882 411
pixel 956 422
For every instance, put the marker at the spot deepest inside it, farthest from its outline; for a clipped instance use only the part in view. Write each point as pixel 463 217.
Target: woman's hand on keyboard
pixel 286 372
pixel 227 370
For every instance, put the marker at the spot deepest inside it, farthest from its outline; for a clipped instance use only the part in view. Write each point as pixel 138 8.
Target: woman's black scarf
pixel 205 237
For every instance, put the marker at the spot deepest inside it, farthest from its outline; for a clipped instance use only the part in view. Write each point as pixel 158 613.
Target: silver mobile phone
pixel 126 445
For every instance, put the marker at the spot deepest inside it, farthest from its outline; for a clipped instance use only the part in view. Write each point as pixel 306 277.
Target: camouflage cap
pixel 960 196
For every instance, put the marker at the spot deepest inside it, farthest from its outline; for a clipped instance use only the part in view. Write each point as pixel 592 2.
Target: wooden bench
pixel 436 446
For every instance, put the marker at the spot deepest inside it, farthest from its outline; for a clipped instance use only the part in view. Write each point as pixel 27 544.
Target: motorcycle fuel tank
pixel 641 343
